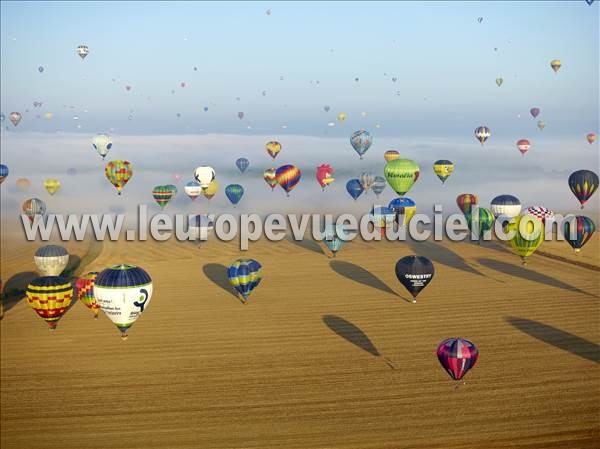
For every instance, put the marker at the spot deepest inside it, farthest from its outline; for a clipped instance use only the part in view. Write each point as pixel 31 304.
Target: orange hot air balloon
pixel 591 138
pixel 523 145
pixel 273 148
pixel 391 155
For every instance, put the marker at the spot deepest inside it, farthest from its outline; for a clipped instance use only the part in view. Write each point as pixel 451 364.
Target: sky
pixel 426 79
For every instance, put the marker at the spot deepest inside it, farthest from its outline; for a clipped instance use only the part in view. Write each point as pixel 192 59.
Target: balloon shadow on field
pixel 217 274
pixel 14 289
pixel 557 338
pixel 442 255
pixel 309 245
pixel 526 273
pixel 71 268
pixel 360 275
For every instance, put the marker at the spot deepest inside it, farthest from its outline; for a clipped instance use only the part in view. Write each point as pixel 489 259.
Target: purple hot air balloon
pixel 534 112
pixel 457 356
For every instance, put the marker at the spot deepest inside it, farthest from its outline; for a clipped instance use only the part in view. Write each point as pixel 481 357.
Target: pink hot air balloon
pixel 457 356
pixel 534 112
pixel 176 176
pixel 523 145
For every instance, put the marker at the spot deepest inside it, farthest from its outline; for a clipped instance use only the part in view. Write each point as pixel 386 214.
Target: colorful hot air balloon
pixel 528 236
pixel 83 51
pixel 361 141
pixel 466 201
pixel 270 177
pixel 85 292
pixel 482 133
pixel 480 222
pixel 391 155
pixel 23 184
pixel 102 143
pixel 52 185
pixel 33 207
pixel 383 218
pixel 541 124
pixel 443 169
pixel 507 205
pixel 341 116
pixel 164 194
pixel 415 273
pixel 15 118
pixel 499 81
pixel 192 189
pixel 556 65
pixel 523 145
pixel 201 225
pixel 234 193
pixel 51 260
pixel 583 184
pixel 540 212
pixel 324 175
pixel 123 292
pixel 244 275
pixel 204 175
pixel 534 112
pixel 118 173
pixel 273 148
pixel 457 356
pixel 288 177
pixel 211 190
pixel 354 188
pixel 332 237
pixel 50 297
pixel 404 209
pixel 242 164
pixel 591 138
pixel 582 228
pixel 401 174
pixel 3 172
pixel 366 181
pixel 378 186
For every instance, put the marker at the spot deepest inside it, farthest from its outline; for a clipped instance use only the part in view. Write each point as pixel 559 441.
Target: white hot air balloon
pixel 204 175
pixel 83 51
pixel 102 143
pixel 507 205
pixel 51 260
pixel 201 226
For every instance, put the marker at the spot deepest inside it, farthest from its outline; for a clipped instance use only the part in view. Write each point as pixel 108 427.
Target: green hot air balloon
pixel 401 174
pixel 482 221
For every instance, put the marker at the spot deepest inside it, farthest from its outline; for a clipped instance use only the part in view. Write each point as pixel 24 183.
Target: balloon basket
pixel 577 250
pixel 124 336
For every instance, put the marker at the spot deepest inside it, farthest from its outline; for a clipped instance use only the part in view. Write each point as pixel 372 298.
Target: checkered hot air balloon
pixel 50 297
pixel 244 275
pixel 457 356
pixel 540 212
pixel 85 292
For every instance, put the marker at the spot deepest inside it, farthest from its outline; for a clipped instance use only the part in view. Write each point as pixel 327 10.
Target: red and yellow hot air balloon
pixel 273 148
pixel 523 145
pixel 288 176
pixel 85 292
pixel 118 173
pixel 50 297
pixel 391 155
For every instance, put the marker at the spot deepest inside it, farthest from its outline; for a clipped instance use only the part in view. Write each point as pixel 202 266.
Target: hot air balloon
pixel 85 292
pixel 556 65
pixel 540 212
pixel 591 138
pixel 164 194
pixel 482 221
pixel 443 169
pixel 507 205
pixel 528 236
pixel 83 51
pixel 33 207
pixel 404 209
pixel 176 176
pixel 499 81
pixel 192 189
pixel 3 172
pixel 201 225
pixel 50 297
pixel 582 228
pixel 288 177
pixel 482 133
pixel 378 186
pixel 15 118
pixel 23 184
pixel 332 237
pixel 401 174
pixel 234 193
pixel 273 148
pixel 128 88
pixel 242 164
pixel 204 175
pixel 341 116
pixel 211 190
pixel 523 145
pixel 415 273
pixel 383 218
pixel 583 184
pixel 51 260
pixel 40 69
pixel 534 112
pixel 270 177
pixel 123 292
pixel 240 115
pixel 457 356
pixel 48 115
pixel 244 275
pixel 354 188
pixel 391 155
pixel 118 173
pixel 366 181
pixel 466 201
pixel 541 124
pixel 326 108
pixel 51 185
pixel 182 84
pixel 361 141
pixel 102 144
pixel 324 175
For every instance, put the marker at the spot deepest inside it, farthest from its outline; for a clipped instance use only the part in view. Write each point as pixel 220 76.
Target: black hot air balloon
pixel 415 273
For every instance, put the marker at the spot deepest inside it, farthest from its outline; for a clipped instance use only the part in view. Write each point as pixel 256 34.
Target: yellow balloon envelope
pixel 211 190
pixel 556 65
pixel 529 235
pixel 52 185
pixel 341 116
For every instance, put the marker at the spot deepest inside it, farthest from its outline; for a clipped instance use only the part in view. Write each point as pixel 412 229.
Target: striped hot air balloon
pixel 270 177
pixel 465 201
pixel 50 297
pixel 583 184
pixel 443 168
pixel 244 275
pixel 508 205
pixel 578 230
pixel 378 186
pixel 85 292
pixel 234 193
pixel 391 155
pixel 457 356
pixel 118 173
pixel 482 133
pixel 361 141
pixel 192 189
pixel 33 207
pixel 404 209
pixel 528 236
pixel 523 146
pixel 164 194
pixel 480 222
pixel 51 260
pixel 288 176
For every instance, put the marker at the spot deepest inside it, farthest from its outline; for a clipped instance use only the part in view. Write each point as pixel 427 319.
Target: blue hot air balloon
pixel 244 275
pixel 361 141
pixel 3 172
pixel 234 192
pixel 332 238
pixel 354 188
pixel 242 163
pixel 378 186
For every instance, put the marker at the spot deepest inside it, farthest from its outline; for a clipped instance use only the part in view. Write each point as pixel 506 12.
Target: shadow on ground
pixel 309 245
pixel 217 274
pixel 438 253
pixel 360 275
pixel 14 289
